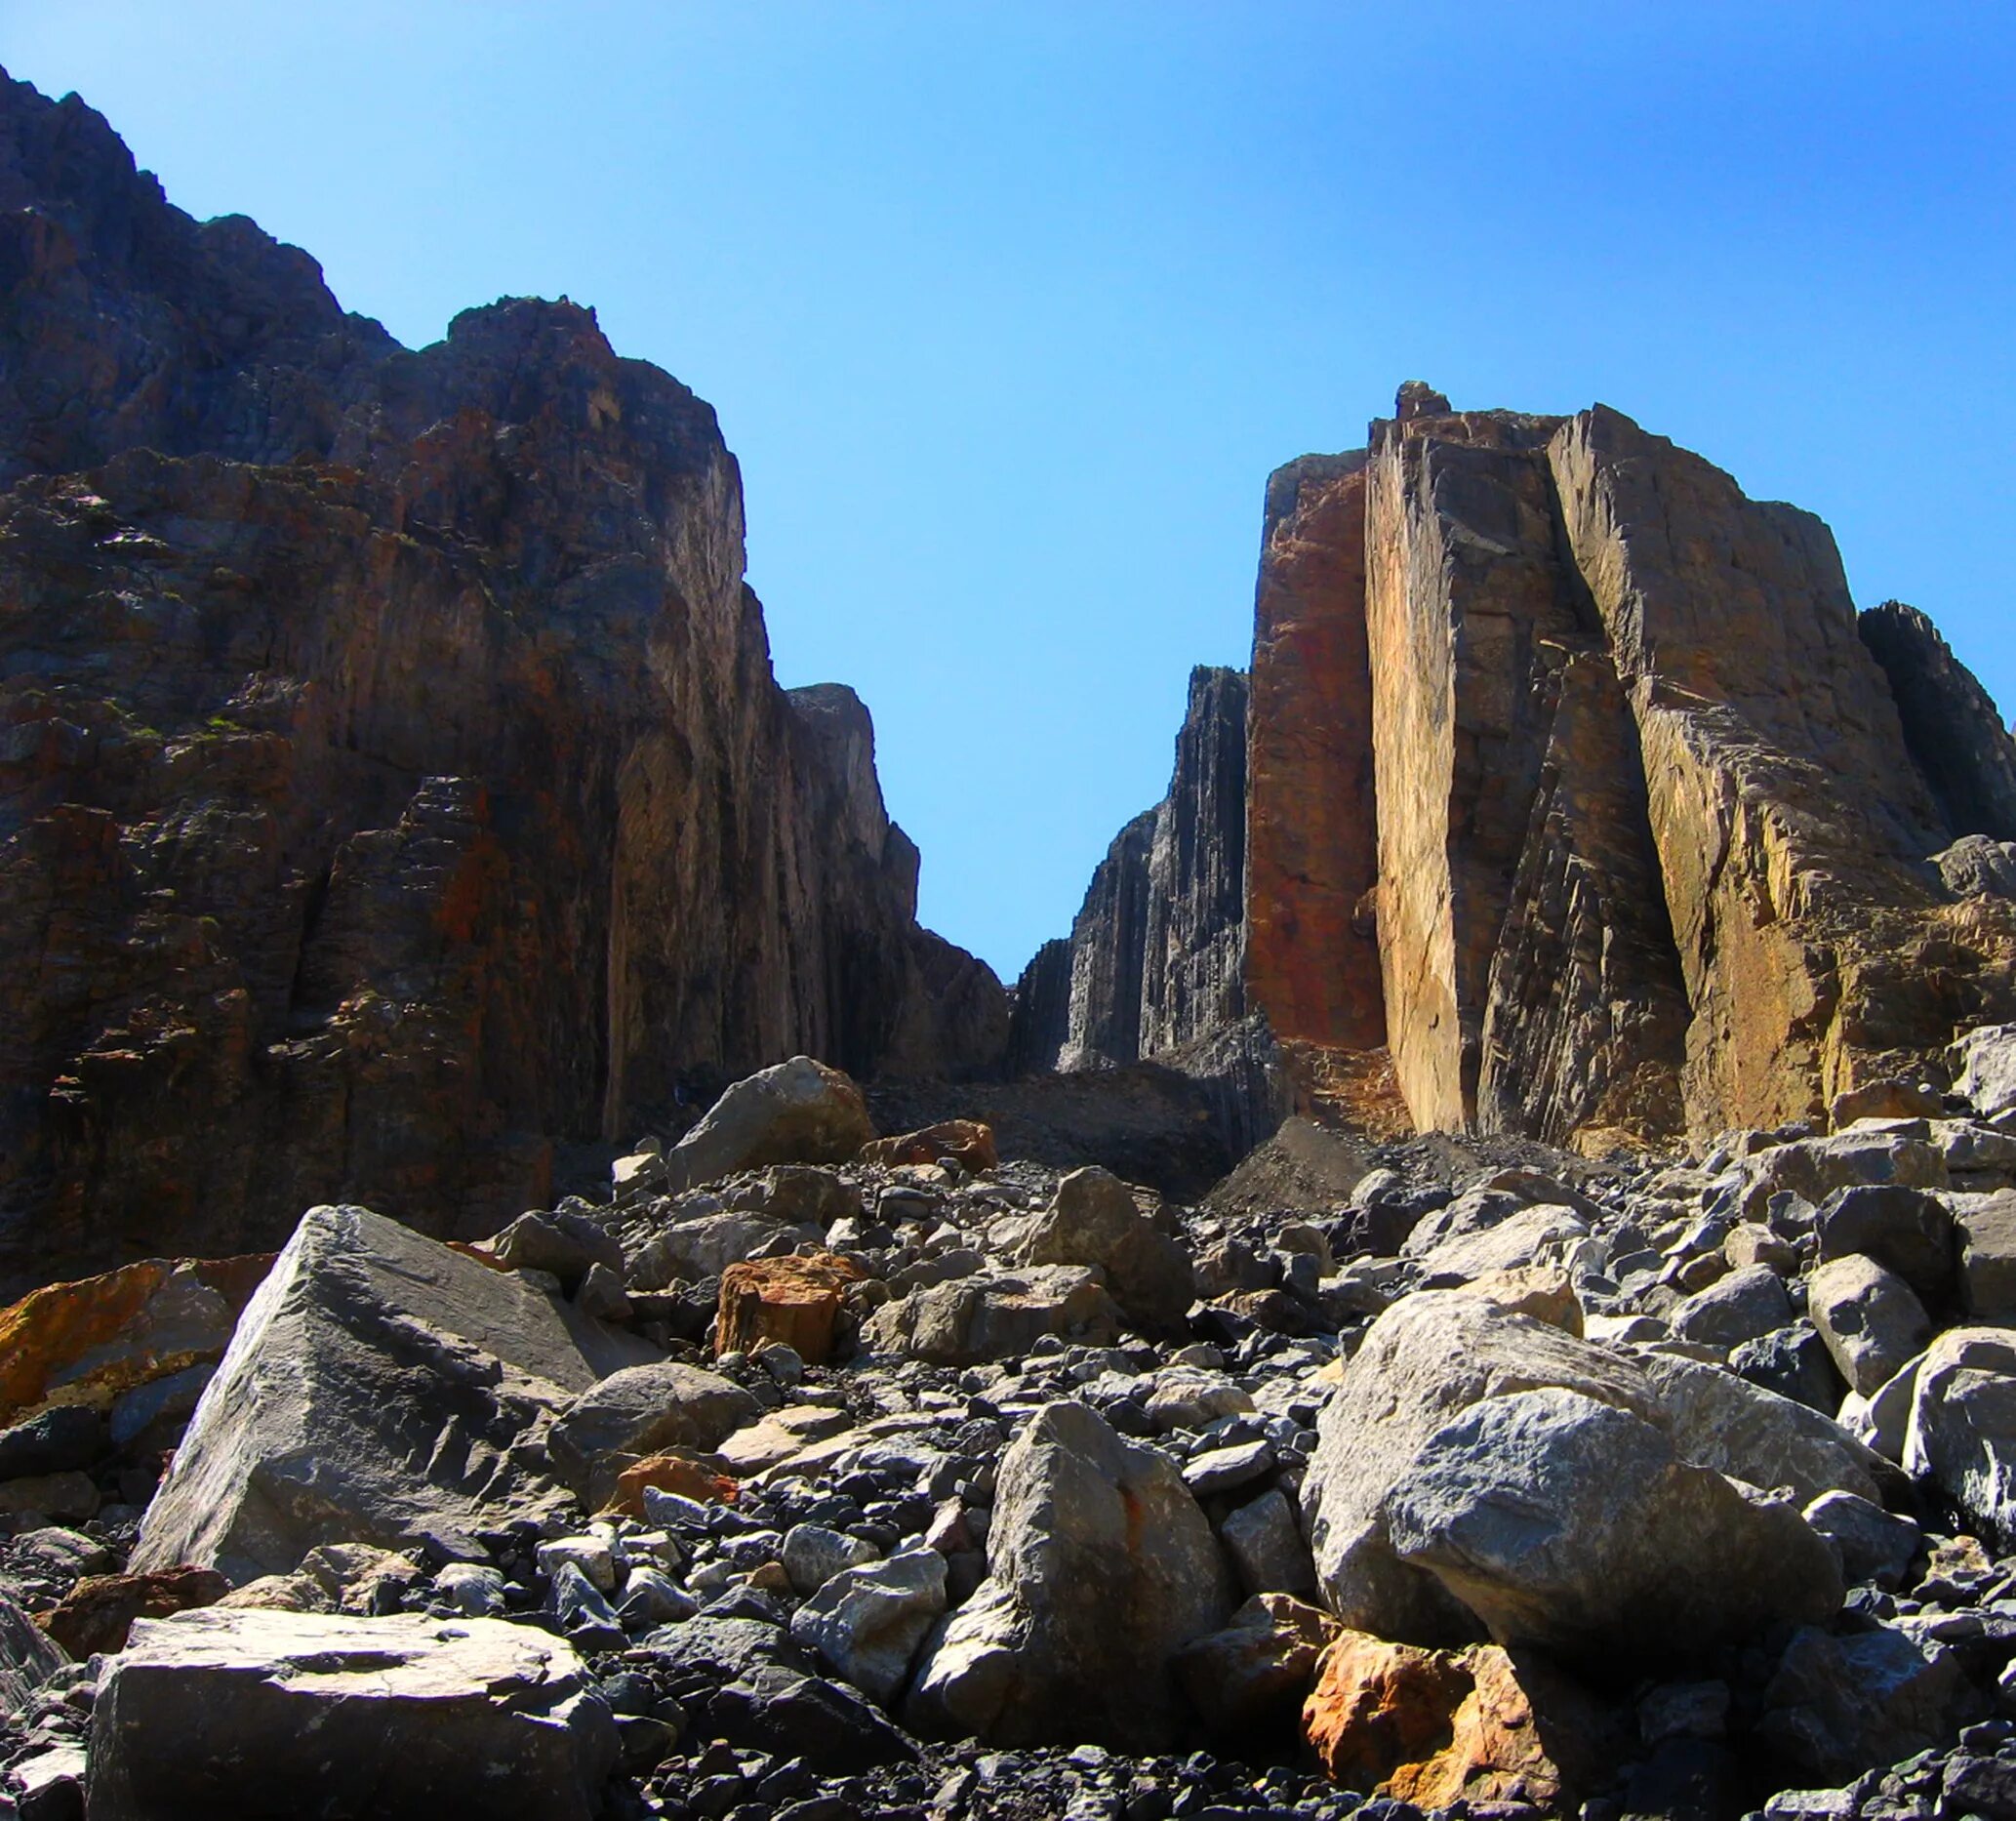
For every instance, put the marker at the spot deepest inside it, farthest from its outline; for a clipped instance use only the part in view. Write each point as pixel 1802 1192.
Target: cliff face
pixel 1576 786
pixel 392 774
pixel 1155 957
pixel 1311 826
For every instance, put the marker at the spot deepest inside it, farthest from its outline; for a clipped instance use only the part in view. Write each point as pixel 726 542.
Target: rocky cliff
pixel 1154 960
pixel 393 778
pixel 1576 786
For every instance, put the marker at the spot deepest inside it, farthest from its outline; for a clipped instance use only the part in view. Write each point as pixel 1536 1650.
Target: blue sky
pixel 1009 309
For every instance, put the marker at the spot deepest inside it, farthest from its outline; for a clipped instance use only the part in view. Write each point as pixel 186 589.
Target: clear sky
pixel 1009 308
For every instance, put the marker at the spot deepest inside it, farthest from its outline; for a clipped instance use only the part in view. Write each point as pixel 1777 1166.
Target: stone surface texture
pixel 406 1717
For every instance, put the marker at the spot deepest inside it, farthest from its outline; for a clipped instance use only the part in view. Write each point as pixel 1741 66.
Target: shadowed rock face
pixel 1155 959
pixel 1952 728
pixel 1574 784
pixel 393 778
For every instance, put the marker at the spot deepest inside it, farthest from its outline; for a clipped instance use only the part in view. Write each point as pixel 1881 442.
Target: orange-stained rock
pixel 1311 836
pixel 968 1143
pixel 1377 1707
pixel 98 1612
pixel 669 1472
pixel 793 1300
pixel 1435 1726
pixel 88 1340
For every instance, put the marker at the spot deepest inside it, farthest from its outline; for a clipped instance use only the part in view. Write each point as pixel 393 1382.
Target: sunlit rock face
pixel 1575 788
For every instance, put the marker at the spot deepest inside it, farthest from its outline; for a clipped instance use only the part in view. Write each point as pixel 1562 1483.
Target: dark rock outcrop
pixel 1952 728
pixel 1155 956
pixel 1193 952
pixel 392 780
pixel 1108 949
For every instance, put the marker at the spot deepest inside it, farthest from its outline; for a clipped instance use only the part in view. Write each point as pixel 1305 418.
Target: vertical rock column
pixel 1311 832
pixel 1108 944
pixel 1193 951
pixel 1469 618
pixel 1786 811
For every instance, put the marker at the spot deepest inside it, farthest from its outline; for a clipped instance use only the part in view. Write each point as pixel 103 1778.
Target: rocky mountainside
pixel 1577 794
pixel 392 780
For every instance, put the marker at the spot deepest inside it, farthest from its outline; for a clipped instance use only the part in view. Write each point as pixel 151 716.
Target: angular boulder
pixel 1837 1705
pixel 995 1314
pixel 88 1340
pixel 403 1719
pixel 868 1621
pixel 1571 1526
pixel 1962 1431
pixel 1869 1320
pixel 1093 1221
pixel 98 1612
pixel 1250 1678
pixel 968 1143
pixel 1741 1306
pixel 1523 1239
pixel 1985 1070
pixel 1423 1363
pixel 1433 1727
pixel 1988 1257
pixel 643 1410
pixel 795 1301
pixel 568 1245
pixel 380 1388
pixel 1907 1231
pixel 1756 1435
pixel 797 1112
pixel 1101 1568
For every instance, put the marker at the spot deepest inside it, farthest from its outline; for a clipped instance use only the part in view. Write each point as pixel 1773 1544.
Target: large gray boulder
pixel 1871 1321
pixel 645 1409
pixel 380 1388
pixel 1741 1306
pixel 1533 1234
pixel 1101 1567
pixel 868 1621
pixel 1985 1070
pixel 1752 1434
pixel 1837 1705
pixel 256 1712
pixel 1987 1255
pixel 1907 1231
pixel 995 1314
pixel 1961 1433
pixel 797 1112
pixel 1572 1525
pixel 1422 1365
pixel 1093 1221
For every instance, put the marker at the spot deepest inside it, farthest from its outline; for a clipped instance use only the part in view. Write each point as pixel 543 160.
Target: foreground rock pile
pixel 815 1474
